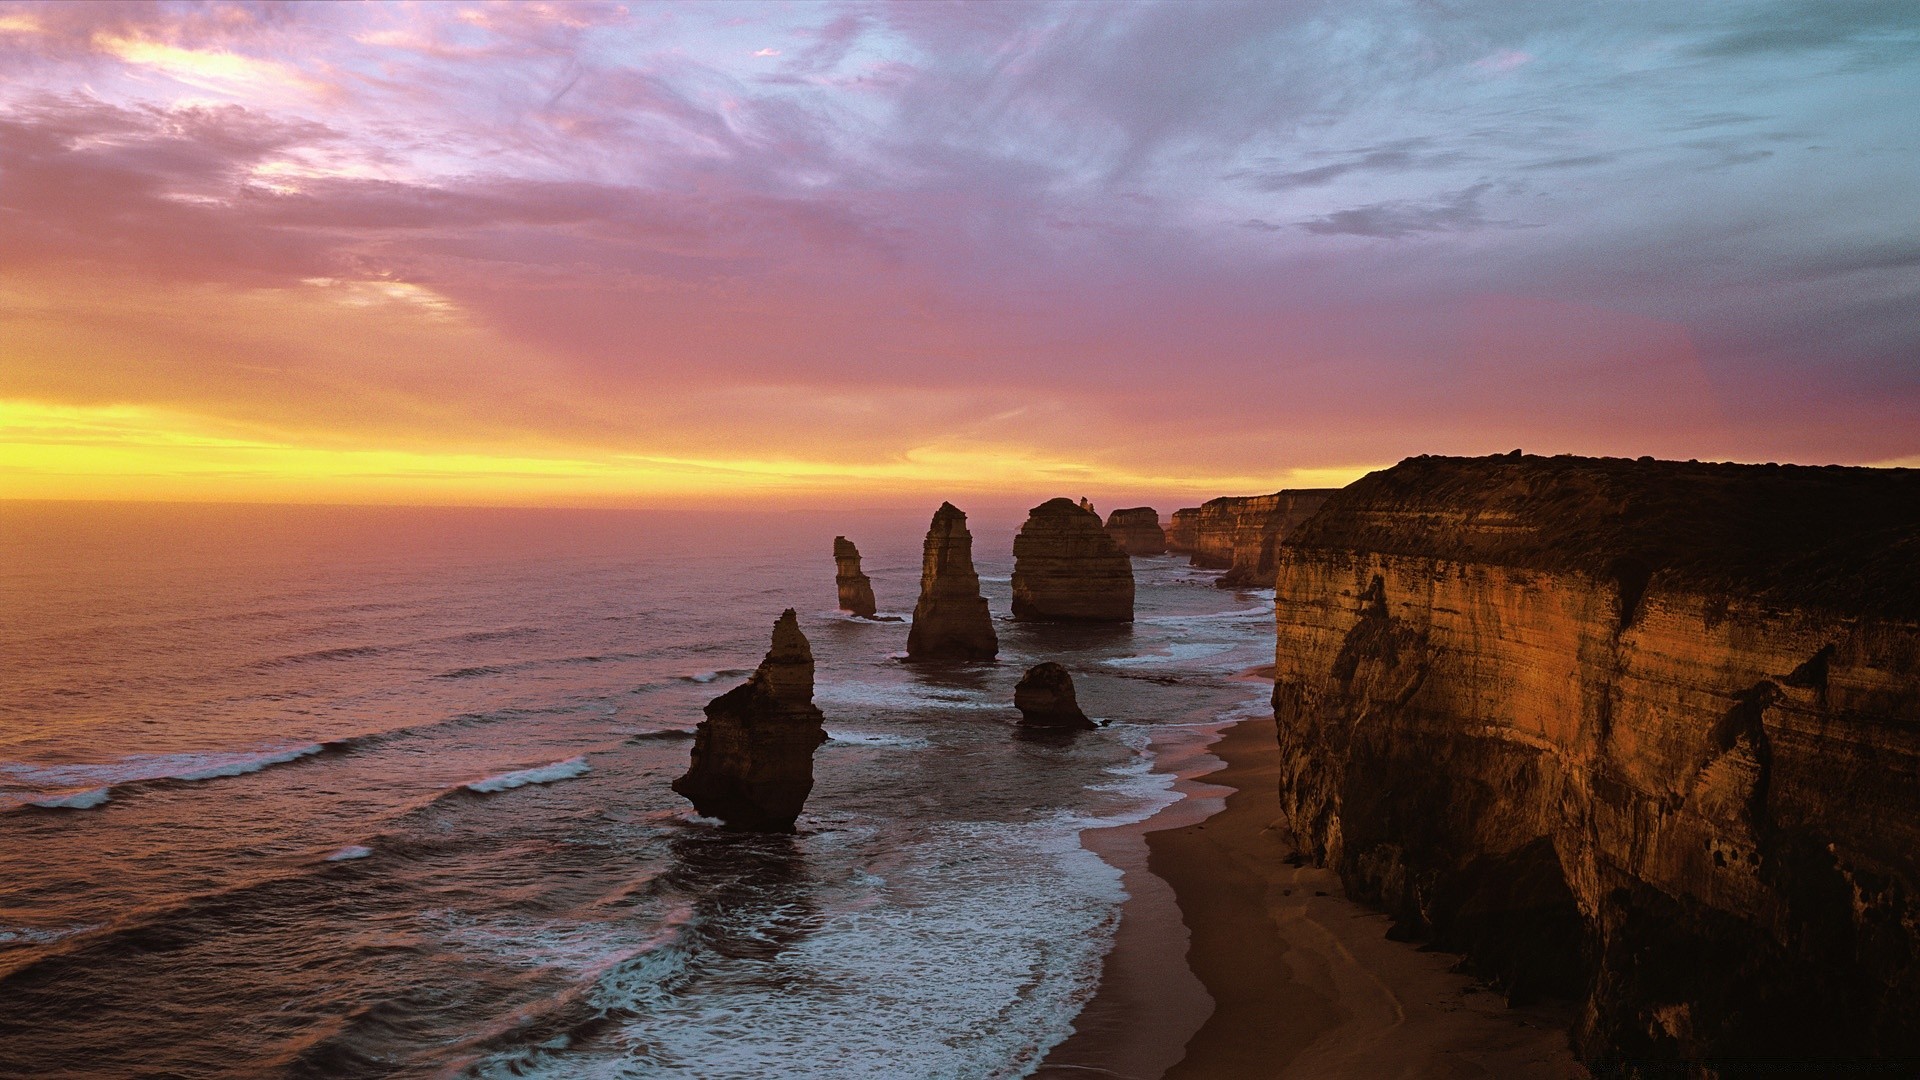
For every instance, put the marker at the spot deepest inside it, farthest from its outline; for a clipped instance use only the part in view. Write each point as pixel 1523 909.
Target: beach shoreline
pixel 1228 962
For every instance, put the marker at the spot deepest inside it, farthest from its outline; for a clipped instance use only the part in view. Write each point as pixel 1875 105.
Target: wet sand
pixel 1293 980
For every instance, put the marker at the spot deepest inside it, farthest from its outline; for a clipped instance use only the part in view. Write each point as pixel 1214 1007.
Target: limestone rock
pixel 1241 533
pixel 1137 531
pixel 1087 505
pixel 1067 569
pixel 856 589
pixel 1045 698
pixel 753 754
pixel 950 621
pixel 1641 732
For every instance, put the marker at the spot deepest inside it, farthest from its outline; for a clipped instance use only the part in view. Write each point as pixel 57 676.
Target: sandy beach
pixel 1230 963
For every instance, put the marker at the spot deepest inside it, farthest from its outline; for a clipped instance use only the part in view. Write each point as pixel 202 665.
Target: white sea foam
pixel 898 696
pixel 1174 654
pixel 218 765
pixel 346 854
pixel 79 800
pixel 544 774
pixel 875 738
pixel 1237 615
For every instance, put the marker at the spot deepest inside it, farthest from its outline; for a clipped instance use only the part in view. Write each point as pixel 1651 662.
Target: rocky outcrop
pixel 856 589
pixel 1646 733
pixel 1045 698
pixel 1087 505
pixel 1240 533
pixel 1067 569
pixel 950 621
pixel 1183 531
pixel 1137 531
pixel 753 754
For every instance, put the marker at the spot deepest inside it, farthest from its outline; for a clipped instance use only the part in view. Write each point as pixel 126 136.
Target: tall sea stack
pixel 753 754
pixel 856 590
pixel 1646 733
pixel 1137 531
pixel 950 621
pixel 1067 569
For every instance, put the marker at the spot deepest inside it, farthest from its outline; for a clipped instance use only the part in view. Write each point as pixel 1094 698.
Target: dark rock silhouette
pixel 753 754
pixel 1644 733
pixel 1067 569
pixel 951 620
pixel 1045 698
pixel 1137 531
pixel 856 589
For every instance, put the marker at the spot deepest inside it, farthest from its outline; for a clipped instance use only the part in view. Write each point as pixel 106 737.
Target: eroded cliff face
pixel 856 589
pixel 753 755
pixel 1646 733
pixel 1183 530
pixel 1137 531
pixel 1241 533
pixel 951 620
pixel 1067 569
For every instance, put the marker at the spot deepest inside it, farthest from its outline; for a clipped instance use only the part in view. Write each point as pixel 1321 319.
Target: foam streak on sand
pixel 544 774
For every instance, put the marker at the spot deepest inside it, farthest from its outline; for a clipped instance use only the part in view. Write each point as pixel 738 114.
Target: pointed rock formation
pixel 856 589
pixel 1045 698
pixel 1137 531
pixel 1067 569
pixel 1087 505
pixel 951 621
pixel 753 754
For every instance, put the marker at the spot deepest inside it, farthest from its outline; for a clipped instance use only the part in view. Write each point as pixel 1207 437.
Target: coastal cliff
pixel 856 589
pixel 1643 733
pixel 753 755
pixel 1137 531
pixel 950 620
pixel 1067 569
pixel 1241 533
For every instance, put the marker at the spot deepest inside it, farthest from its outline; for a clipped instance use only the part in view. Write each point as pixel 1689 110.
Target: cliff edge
pixel 1642 732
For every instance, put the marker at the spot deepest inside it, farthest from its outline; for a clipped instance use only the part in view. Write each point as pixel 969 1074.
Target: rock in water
pixel 951 621
pixel 753 754
pixel 1137 531
pixel 856 589
pixel 1045 698
pixel 1067 569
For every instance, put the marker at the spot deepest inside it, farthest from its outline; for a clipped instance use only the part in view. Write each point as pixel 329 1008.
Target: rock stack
pixel 1137 531
pixel 856 590
pixel 753 754
pixel 1045 698
pixel 1067 569
pixel 950 621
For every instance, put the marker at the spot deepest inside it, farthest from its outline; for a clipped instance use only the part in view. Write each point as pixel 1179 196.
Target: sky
pixel 649 254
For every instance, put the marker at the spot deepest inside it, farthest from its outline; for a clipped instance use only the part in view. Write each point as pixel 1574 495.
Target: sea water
pixel 384 792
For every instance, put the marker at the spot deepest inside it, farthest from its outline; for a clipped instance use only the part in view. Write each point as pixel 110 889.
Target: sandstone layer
pixel 1646 733
pixel 856 589
pixel 1045 698
pixel 1241 533
pixel 1137 531
pixel 753 754
pixel 950 621
pixel 1067 569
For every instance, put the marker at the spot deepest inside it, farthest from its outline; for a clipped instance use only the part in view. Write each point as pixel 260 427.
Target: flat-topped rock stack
pixel 753 754
pixel 1045 698
pixel 856 589
pixel 951 620
pixel 1067 569
pixel 1137 531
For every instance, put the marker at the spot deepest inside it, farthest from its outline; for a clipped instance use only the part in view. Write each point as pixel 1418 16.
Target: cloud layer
pixel 868 247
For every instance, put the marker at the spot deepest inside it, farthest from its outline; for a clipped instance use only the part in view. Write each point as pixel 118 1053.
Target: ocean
pixel 383 792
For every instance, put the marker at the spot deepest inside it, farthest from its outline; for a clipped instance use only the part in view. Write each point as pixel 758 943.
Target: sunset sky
pixel 602 254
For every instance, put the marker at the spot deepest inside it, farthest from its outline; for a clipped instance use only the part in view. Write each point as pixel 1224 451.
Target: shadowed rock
pixel 753 754
pixel 1643 733
pixel 856 589
pixel 1137 531
pixel 1045 698
pixel 1067 569
pixel 950 621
